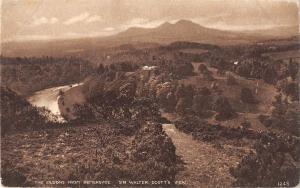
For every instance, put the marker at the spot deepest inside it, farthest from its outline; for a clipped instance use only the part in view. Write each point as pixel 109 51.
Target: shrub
pixel 274 162
pixel 185 92
pixel 247 96
pixel 289 88
pixel 202 68
pixel 201 104
pixel 270 75
pixel 12 177
pixel 204 91
pixel 284 117
pixel 223 108
pixel 166 96
pixel 246 124
pixel 208 76
pixel 153 150
pixel 17 114
pixel 182 106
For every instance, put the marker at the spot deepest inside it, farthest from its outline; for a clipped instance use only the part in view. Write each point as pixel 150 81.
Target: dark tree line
pixel 27 75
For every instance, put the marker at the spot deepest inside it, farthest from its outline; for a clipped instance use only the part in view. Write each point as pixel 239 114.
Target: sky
pixel 52 19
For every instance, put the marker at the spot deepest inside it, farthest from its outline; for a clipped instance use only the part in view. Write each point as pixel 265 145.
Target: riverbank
pixel 48 98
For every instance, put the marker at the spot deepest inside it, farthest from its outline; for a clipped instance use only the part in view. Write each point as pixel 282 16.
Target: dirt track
pixel 205 165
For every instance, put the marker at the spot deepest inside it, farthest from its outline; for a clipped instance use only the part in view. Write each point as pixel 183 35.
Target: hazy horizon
pixel 63 19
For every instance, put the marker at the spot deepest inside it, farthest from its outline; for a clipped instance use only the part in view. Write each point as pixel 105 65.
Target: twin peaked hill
pixel 182 30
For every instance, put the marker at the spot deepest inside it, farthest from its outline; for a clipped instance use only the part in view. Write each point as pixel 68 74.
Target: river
pixel 48 98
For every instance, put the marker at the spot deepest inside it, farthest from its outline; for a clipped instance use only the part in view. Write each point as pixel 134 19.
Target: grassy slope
pixel 55 154
pixel 265 96
pixel 99 152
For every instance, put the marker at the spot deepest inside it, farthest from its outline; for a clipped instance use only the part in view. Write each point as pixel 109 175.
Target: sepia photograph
pixel 150 93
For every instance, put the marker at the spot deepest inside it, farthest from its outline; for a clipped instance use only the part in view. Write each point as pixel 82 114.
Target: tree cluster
pixel 19 115
pixel 273 164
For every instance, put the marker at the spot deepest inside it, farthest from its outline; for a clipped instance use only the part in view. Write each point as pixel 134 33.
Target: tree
pixel 273 162
pixel 208 76
pixel 145 108
pixel 279 107
pixel 246 124
pixel 290 88
pixel 293 69
pixel 270 75
pixel 100 69
pixel 202 68
pixel 186 92
pixel 204 91
pixel 182 106
pixel 166 97
pixel 17 114
pixel 223 108
pixel 61 93
pixel 247 96
pixel 201 104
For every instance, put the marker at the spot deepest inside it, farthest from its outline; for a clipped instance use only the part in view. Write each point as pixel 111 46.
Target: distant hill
pixel 182 30
pixel 280 31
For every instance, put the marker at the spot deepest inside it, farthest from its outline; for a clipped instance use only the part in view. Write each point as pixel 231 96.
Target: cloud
pixel 137 21
pixel 141 22
pixel 94 18
pixel 44 20
pixel 78 18
pixel 67 35
pixel 53 20
pixel 109 29
pixel 84 17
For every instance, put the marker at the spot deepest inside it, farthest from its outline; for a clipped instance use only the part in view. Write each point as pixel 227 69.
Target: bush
pixel 166 96
pixel 185 92
pixel 182 106
pixel 201 104
pixel 17 114
pixel 290 88
pixel 117 100
pixel 208 76
pixel 202 68
pixel 12 177
pixel 247 96
pixel 223 108
pixel 270 75
pixel 204 91
pixel 284 117
pixel 153 154
pixel 246 124
pixel 274 162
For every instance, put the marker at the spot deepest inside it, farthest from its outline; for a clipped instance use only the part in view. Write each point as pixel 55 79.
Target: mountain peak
pixel 184 30
pixel 188 23
pixel 166 24
pixel 180 24
pixel 184 22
